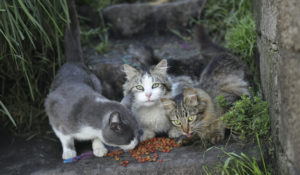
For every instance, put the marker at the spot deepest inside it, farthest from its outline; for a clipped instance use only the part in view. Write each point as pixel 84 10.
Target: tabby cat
pixel 194 111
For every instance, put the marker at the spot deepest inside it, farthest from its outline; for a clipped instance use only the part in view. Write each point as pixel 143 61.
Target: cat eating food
pixel 76 108
pixel 195 111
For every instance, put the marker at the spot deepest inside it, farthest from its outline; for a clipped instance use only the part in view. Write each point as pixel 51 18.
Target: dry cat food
pixel 146 150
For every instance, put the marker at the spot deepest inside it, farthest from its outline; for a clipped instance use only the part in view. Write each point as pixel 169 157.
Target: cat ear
pixel 190 97
pixel 115 121
pixel 130 71
pixel 161 67
pixel 168 104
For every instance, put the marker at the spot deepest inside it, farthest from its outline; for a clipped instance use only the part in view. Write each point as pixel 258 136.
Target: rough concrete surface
pixel 278 45
pixel 42 156
pixel 129 19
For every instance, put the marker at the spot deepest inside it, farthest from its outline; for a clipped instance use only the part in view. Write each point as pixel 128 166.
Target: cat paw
pixel 99 152
pixel 69 154
pixel 147 135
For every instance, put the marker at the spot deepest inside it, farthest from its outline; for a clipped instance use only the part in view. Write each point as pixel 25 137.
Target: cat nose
pixel 148 95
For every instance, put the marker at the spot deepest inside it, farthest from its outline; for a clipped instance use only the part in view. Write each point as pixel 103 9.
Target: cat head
pixel 187 111
pixel 120 127
pixel 147 86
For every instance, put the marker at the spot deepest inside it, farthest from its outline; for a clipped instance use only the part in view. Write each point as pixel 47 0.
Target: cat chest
pixel 154 119
pixel 87 133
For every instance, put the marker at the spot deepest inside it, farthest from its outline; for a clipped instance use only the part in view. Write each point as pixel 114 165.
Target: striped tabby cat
pixel 194 111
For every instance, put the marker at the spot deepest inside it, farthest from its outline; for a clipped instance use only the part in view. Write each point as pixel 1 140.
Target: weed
pixel 180 35
pixel 239 164
pixel 102 47
pixel 100 33
pixel 241 38
pixel 248 117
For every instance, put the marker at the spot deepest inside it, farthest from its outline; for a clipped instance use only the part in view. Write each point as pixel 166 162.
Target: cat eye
pixel 139 87
pixel 191 118
pixel 155 85
pixel 176 122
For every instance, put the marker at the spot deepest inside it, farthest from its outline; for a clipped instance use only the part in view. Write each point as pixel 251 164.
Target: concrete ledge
pixel 44 157
pixel 129 19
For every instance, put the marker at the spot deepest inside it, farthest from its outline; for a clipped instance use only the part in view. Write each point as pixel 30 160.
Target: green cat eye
pixel 155 85
pixel 139 87
pixel 176 122
pixel 191 118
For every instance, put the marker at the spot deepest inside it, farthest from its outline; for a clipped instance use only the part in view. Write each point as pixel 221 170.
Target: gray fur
pixel 149 115
pixel 227 76
pixel 135 75
pixel 75 102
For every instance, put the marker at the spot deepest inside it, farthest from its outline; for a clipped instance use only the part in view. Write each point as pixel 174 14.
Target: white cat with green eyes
pixel 147 87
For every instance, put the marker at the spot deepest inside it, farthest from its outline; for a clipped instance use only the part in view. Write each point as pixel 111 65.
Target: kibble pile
pixel 146 150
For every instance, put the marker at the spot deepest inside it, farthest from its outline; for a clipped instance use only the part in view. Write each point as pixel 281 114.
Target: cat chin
pixel 130 146
pixel 149 103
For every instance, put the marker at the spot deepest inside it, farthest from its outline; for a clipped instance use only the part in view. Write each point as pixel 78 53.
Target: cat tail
pixel 205 43
pixel 73 51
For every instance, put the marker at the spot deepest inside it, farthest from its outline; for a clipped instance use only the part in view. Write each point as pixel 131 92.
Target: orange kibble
pixel 160 160
pixel 146 150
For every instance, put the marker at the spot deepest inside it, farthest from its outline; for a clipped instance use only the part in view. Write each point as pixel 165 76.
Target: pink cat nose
pixel 148 95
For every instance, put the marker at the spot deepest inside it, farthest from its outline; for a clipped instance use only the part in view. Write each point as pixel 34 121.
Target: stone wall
pixel 278 25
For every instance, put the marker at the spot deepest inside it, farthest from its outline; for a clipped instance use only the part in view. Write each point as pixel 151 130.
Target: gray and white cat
pixel 146 88
pixel 77 110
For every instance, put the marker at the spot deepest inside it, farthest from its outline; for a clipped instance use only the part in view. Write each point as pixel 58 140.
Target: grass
pixel 219 16
pixel 31 34
pixel 230 23
pixel 239 164
pixel 31 51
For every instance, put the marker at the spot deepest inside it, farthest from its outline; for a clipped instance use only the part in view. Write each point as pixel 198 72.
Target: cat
pixel 146 87
pixel 77 110
pixel 195 111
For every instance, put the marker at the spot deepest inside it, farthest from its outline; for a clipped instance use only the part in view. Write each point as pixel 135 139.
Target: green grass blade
pixel 8 113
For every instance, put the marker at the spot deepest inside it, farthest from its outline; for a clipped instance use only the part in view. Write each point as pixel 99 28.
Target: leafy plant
pixel 248 117
pixel 241 37
pixel 241 40
pixel 30 33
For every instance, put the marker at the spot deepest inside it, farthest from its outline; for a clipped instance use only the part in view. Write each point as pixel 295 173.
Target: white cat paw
pixel 69 154
pixel 148 134
pixel 99 152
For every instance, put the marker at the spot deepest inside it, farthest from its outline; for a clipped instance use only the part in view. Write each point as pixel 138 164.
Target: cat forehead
pixel 181 108
pixel 147 78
